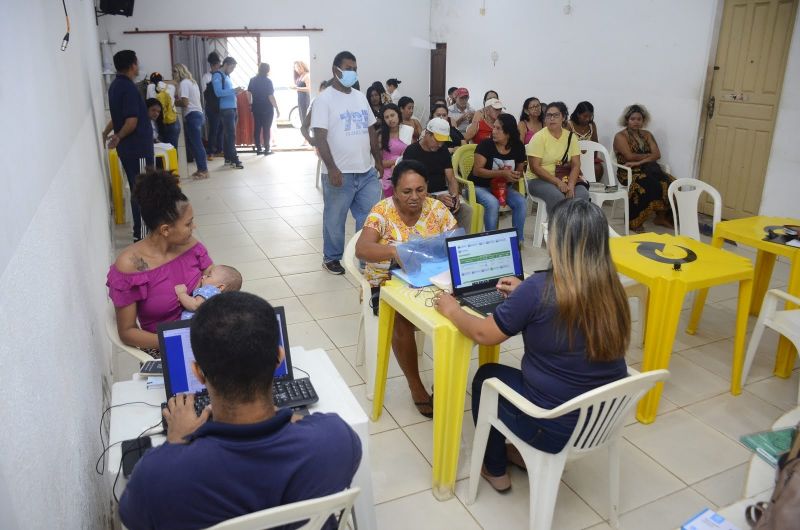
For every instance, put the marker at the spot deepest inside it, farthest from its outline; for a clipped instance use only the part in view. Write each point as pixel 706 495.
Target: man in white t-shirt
pixel 348 144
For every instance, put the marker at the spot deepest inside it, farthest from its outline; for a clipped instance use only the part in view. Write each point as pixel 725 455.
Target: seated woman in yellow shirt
pixel 551 148
pixel 172 127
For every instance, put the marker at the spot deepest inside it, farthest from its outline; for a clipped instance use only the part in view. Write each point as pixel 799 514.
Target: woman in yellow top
pixel 391 221
pixel 172 127
pixel 554 161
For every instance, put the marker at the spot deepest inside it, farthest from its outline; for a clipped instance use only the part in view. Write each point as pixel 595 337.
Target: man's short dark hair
pixel 451 90
pixel 213 58
pixel 123 60
pixel 341 56
pixel 234 338
pixel 228 60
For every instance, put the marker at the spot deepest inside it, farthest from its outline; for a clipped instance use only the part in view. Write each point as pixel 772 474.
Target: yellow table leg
pixel 742 310
pixel 385 328
pixel 700 296
pixel 117 198
pixel 451 356
pixel 664 310
pixel 784 360
pixel 762 275
pixel 488 354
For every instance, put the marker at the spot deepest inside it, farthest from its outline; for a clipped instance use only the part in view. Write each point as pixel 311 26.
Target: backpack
pixel 210 97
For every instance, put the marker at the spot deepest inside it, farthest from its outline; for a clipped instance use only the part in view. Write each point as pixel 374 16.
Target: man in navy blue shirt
pixel 133 133
pixel 250 456
pixel 262 102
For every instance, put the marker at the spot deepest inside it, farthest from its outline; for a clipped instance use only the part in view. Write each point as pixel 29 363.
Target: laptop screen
pixel 479 260
pixel 177 355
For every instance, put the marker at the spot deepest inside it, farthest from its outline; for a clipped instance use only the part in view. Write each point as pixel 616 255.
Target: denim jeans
pixel 214 132
pixel 491 209
pixel 194 137
pixel 534 432
pixel 551 195
pixel 172 132
pixel 358 193
pixel 262 121
pixel 130 163
pixel 228 118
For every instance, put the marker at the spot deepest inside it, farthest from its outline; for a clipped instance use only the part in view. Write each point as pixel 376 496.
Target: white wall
pixel 54 251
pixel 389 39
pixel 781 197
pixel 611 53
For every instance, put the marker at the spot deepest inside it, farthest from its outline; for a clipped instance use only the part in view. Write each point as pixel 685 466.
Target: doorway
pixel 438 72
pixel 746 87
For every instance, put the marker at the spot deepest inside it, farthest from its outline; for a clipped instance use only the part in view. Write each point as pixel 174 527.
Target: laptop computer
pixel 477 261
pixel 177 358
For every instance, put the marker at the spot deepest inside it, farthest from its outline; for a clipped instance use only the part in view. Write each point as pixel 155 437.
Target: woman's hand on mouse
pixel 508 284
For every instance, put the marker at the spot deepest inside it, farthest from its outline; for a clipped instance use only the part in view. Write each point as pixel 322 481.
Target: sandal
pixel 422 405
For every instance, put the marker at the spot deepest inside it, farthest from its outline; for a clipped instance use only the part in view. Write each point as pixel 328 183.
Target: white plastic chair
pixel 684 195
pixel 588 150
pixel 636 290
pixel 540 222
pixel 316 511
pixel 786 322
pixel 602 414
pixel 367 348
pixel 113 335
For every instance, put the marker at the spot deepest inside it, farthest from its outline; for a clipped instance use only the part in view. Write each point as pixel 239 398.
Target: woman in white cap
pixel 483 121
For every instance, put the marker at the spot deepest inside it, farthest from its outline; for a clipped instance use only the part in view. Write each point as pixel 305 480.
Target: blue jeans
pixel 172 132
pixel 491 209
pixel 130 163
pixel 214 131
pixel 534 432
pixel 194 137
pixel 262 122
pixel 358 193
pixel 228 118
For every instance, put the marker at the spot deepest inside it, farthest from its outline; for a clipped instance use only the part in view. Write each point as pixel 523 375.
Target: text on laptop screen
pixel 483 259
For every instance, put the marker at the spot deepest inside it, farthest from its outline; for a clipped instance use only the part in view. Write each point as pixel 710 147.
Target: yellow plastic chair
pixel 463 160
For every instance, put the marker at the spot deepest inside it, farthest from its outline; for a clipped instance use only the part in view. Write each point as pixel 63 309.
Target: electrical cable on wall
pixel 65 40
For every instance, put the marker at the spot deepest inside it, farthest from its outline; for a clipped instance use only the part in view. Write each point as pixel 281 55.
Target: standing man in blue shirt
pixel 133 133
pixel 262 102
pixel 223 88
pixel 249 456
pixel 348 144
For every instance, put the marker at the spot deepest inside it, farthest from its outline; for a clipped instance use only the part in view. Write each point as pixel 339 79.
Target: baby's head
pixel 223 277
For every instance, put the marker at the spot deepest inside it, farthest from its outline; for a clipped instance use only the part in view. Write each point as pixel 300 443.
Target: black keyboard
pixel 293 392
pixel 485 299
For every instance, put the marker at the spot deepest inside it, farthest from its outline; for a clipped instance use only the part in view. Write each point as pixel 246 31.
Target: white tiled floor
pixel 266 220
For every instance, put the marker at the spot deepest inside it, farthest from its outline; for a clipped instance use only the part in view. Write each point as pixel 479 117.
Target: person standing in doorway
pixel 188 97
pixel 133 133
pixel 302 83
pixel 214 143
pixel 223 88
pixel 261 94
pixel 342 121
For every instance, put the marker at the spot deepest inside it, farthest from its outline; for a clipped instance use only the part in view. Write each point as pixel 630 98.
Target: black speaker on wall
pixel 117 7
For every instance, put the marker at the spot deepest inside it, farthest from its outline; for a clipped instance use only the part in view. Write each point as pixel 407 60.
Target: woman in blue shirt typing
pixel 575 324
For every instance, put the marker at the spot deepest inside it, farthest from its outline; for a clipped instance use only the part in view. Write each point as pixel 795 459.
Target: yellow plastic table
pixel 751 231
pixel 169 158
pixel 451 356
pixel 651 259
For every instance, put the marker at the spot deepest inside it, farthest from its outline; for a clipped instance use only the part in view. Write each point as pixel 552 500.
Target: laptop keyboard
pixel 484 299
pixel 293 392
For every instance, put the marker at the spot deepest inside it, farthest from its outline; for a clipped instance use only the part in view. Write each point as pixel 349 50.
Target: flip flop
pixel 421 404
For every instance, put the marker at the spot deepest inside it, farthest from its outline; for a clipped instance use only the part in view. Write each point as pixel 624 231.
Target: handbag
pixel 783 509
pixel 564 166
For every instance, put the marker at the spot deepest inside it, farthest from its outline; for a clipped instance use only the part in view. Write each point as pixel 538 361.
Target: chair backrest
pixel 684 195
pixel 588 150
pixel 463 160
pixel 351 262
pixel 113 335
pixel 603 411
pixel 315 511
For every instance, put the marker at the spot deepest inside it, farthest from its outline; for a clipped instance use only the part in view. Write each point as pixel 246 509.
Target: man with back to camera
pixel 133 133
pixel 212 108
pixel 442 184
pixel 249 456
pixel 223 88
pixel 343 134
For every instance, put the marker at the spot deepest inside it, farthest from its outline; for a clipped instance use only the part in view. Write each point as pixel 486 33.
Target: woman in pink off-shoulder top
pixel 142 281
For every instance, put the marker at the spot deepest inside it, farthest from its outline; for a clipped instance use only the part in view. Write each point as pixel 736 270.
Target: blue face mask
pixel 348 78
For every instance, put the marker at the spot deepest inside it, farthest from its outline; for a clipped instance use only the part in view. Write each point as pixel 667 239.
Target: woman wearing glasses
pixel 531 120
pixel 554 161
